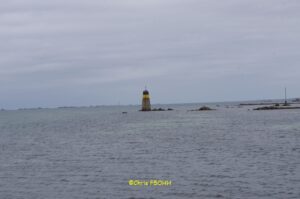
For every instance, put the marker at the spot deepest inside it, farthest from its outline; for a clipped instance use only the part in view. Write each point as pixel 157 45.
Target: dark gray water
pixel 93 152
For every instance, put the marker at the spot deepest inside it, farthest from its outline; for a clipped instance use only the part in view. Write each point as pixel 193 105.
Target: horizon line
pixel 110 105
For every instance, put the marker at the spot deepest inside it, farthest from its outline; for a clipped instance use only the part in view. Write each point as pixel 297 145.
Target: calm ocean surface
pixel 77 153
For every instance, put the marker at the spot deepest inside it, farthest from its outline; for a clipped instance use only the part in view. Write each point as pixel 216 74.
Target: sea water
pixel 94 152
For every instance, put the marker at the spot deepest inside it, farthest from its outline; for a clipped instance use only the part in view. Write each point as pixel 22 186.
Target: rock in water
pixel 205 108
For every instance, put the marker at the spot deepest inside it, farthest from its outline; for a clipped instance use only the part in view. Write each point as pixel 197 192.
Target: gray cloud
pixel 184 50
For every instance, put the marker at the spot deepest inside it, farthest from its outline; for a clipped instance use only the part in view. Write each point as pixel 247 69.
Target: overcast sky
pixel 75 52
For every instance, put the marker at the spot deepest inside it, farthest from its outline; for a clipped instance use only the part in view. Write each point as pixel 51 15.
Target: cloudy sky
pixel 74 52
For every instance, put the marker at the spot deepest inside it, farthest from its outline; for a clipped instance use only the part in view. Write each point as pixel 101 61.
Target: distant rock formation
pixel 275 107
pixel 161 109
pixel 204 108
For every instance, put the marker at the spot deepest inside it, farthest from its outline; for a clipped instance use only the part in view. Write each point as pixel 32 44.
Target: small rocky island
pixel 161 109
pixel 204 108
pixel 276 107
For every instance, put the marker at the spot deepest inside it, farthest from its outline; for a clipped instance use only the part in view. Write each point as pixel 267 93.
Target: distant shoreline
pixel 267 103
pixel 263 102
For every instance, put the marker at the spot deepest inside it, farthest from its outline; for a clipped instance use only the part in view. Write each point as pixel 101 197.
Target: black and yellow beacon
pixel 146 106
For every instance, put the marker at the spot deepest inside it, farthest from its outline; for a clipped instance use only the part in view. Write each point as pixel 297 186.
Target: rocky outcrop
pixel 204 108
pixel 275 107
pixel 161 109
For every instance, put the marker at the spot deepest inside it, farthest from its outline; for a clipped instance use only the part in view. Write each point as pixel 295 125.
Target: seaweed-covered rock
pixel 161 109
pixel 274 108
pixel 266 108
pixel 205 108
pixel 158 109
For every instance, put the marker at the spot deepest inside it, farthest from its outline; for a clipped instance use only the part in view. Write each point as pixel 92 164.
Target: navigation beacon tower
pixel 146 106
